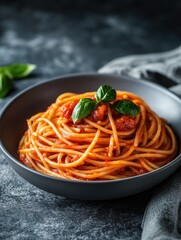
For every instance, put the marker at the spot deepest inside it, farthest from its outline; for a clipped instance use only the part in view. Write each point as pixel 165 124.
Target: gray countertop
pixel 64 37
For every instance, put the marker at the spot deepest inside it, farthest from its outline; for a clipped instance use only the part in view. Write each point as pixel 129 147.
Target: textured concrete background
pixel 64 37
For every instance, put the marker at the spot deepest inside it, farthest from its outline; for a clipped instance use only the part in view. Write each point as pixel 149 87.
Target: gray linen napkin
pixel 162 217
pixel 162 68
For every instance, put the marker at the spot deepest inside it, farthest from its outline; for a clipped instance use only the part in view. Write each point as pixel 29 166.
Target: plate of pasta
pixel 93 136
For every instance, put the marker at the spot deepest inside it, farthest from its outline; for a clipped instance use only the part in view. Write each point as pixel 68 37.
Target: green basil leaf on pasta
pixel 83 108
pixel 105 93
pixel 126 107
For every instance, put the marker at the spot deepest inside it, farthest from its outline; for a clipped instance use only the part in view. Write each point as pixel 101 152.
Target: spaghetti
pixel 104 145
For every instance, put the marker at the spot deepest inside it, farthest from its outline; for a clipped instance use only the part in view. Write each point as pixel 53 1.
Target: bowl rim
pixel 76 181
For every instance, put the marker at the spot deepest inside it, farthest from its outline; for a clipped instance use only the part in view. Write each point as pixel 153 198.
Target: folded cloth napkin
pixel 162 68
pixel 162 218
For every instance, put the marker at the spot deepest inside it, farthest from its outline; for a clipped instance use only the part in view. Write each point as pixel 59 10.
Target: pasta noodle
pixel 104 145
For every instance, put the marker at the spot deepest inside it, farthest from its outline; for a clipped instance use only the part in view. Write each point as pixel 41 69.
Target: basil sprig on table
pixel 10 72
pixel 105 93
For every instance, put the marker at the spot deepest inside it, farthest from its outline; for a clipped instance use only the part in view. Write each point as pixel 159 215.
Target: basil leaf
pixel 105 93
pixel 20 70
pixel 83 108
pixel 10 72
pixel 126 107
pixel 5 84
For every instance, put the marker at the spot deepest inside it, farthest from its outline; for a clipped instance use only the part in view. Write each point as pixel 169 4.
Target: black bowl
pixel 37 98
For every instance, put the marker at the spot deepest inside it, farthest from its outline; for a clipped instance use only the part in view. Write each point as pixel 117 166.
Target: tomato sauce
pixel 125 122
pixel 67 109
pixel 100 113
pixel 122 122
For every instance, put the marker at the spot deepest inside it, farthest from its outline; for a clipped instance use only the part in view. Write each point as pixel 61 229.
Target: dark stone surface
pixel 64 37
